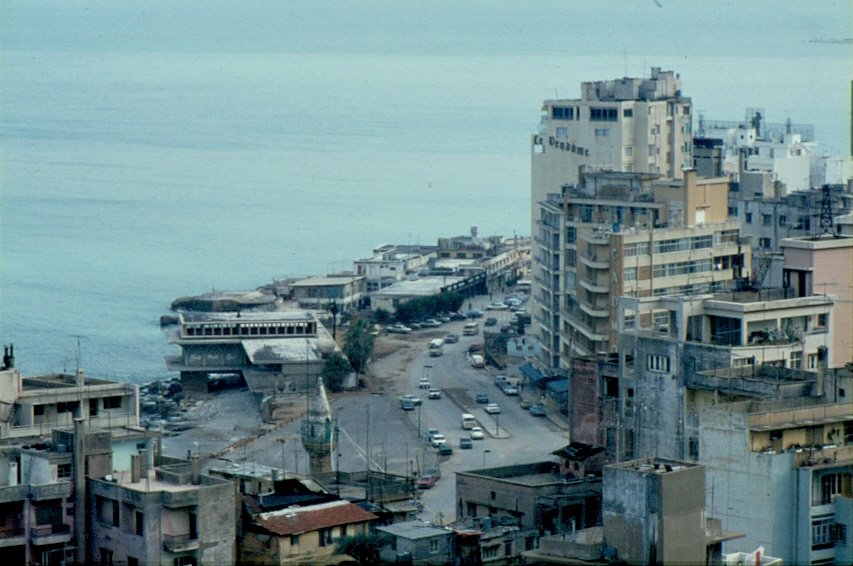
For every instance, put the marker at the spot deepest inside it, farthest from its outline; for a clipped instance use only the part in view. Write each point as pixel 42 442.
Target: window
pixel 796 360
pixel 822 320
pixel 840 534
pixel 749 218
pixel 811 361
pixel 693 448
pixel 764 243
pixel 112 402
pixel 492 495
pixel 571 234
pixel 630 274
pixel 562 112
pixel 782 220
pixel 598 114
pixel 131 561
pixel 657 363
pixel 325 536
pixel 586 213
pixel 628 113
pixel 629 151
pixel 433 545
pixel 106 557
pixel 342 530
pixel 67 406
pixel 832 485
pixel 38 410
pixel 601 132
pixel 767 219
pixel 294 540
pixel 139 521
pixel 63 471
pixel 562 132
pixel 821 532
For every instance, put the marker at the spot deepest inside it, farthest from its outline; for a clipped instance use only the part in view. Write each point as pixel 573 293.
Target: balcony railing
pixel 50 534
pixel 180 543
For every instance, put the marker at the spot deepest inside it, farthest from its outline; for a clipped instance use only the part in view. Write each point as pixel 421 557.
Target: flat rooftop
pixel 62 380
pixel 265 316
pixel 423 286
pixel 326 281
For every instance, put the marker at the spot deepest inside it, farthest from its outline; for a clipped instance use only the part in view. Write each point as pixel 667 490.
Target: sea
pixel 151 150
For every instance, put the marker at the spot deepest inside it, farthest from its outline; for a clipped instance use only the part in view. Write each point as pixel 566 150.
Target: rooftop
pixel 329 281
pixel 422 286
pixel 265 316
pixel 297 520
pixel 653 465
pixel 415 530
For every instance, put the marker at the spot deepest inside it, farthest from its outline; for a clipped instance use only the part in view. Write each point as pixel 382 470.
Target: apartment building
pixel 392 263
pixel 34 406
pixel 627 124
pixel 627 234
pixel 345 292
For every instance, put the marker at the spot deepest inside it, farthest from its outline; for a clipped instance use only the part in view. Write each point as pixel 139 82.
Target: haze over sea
pixel 158 149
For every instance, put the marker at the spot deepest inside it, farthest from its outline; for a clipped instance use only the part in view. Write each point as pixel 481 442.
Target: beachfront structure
pixel 279 351
pixel 389 298
pixel 392 263
pixel 626 234
pixel 34 406
pixel 320 293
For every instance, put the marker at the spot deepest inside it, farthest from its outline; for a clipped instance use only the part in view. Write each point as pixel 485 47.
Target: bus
pixel 436 347
pixel 471 328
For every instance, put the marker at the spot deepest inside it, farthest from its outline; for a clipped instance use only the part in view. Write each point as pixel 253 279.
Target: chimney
pixel 196 470
pixel 136 467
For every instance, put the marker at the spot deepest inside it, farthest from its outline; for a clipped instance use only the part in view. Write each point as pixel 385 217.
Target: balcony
pixel 13 493
pixel 595 262
pixel 58 490
pixel 59 533
pixel 593 310
pixel 180 543
pixel 594 286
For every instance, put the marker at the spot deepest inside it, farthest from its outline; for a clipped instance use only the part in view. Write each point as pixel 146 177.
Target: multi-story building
pixel 278 351
pixel 628 234
pixel 34 406
pixel 345 292
pixel 627 124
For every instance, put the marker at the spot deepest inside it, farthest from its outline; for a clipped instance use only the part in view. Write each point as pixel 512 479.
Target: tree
pixel 359 344
pixel 335 370
pixel 364 548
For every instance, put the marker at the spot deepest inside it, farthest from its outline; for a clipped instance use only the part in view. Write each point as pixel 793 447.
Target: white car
pixel 398 329
pixel 477 433
pixel 496 307
pixel 424 383
pixel 493 408
pixel 437 439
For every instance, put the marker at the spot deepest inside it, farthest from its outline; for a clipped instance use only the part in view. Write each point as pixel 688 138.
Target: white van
pixel 436 347
pixel 478 361
pixel 468 421
pixel 471 328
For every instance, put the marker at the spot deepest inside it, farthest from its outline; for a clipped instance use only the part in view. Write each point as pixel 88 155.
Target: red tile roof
pixel 296 520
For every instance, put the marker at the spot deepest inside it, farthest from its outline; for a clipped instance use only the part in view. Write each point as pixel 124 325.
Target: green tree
pixel 359 344
pixel 335 370
pixel 364 548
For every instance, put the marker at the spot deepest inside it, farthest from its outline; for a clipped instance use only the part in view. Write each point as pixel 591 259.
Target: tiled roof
pixel 296 520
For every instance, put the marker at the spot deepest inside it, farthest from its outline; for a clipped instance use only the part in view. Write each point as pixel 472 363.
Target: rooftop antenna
pixel 826 222
pixel 77 337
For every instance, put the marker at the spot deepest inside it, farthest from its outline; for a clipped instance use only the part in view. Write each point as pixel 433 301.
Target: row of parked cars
pixel 433 322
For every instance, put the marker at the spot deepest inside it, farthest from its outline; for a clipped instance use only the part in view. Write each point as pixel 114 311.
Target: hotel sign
pixel 564 146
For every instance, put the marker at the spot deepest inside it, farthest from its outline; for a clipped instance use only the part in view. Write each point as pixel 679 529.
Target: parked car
pixel 434 394
pixel 474 313
pixel 482 398
pixel 443 317
pixel 491 321
pixel 476 347
pixel 407 405
pixel 424 383
pixel 478 361
pixel 431 431
pixel 500 380
pixel 398 329
pixel 509 389
pixel 437 439
pixel 466 443
pixel 537 410
pixel 457 316
pixel 512 302
pixel 477 433
pixel 493 408
pixel 430 323
pixel 496 307
pixel 451 338
pixel 444 449
pixel 426 482
pixel 414 325
pixel 414 399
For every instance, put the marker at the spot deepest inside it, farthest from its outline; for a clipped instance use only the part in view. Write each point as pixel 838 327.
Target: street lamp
pixel 486 451
pixel 283 465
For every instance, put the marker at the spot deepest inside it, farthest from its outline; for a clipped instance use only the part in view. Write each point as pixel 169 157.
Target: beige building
pixel 824 266
pixel 628 234
pixel 627 124
pixel 319 293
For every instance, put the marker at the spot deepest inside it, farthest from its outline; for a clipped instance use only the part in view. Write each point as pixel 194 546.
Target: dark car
pixel 444 449
pixel 482 398
pixel 474 313
pixel 451 338
pixel 457 316
pixel 537 410
pixel 466 443
pixel 407 405
pixel 491 321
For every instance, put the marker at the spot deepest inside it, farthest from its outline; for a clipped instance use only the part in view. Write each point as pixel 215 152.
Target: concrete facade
pixel 654 511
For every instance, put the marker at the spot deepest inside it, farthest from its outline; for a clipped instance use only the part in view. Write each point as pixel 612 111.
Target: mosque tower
pixel 318 432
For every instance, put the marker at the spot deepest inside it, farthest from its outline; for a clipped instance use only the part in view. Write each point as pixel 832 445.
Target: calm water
pixel 152 150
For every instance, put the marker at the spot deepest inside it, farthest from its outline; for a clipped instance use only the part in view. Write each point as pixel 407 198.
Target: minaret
pixel 318 432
